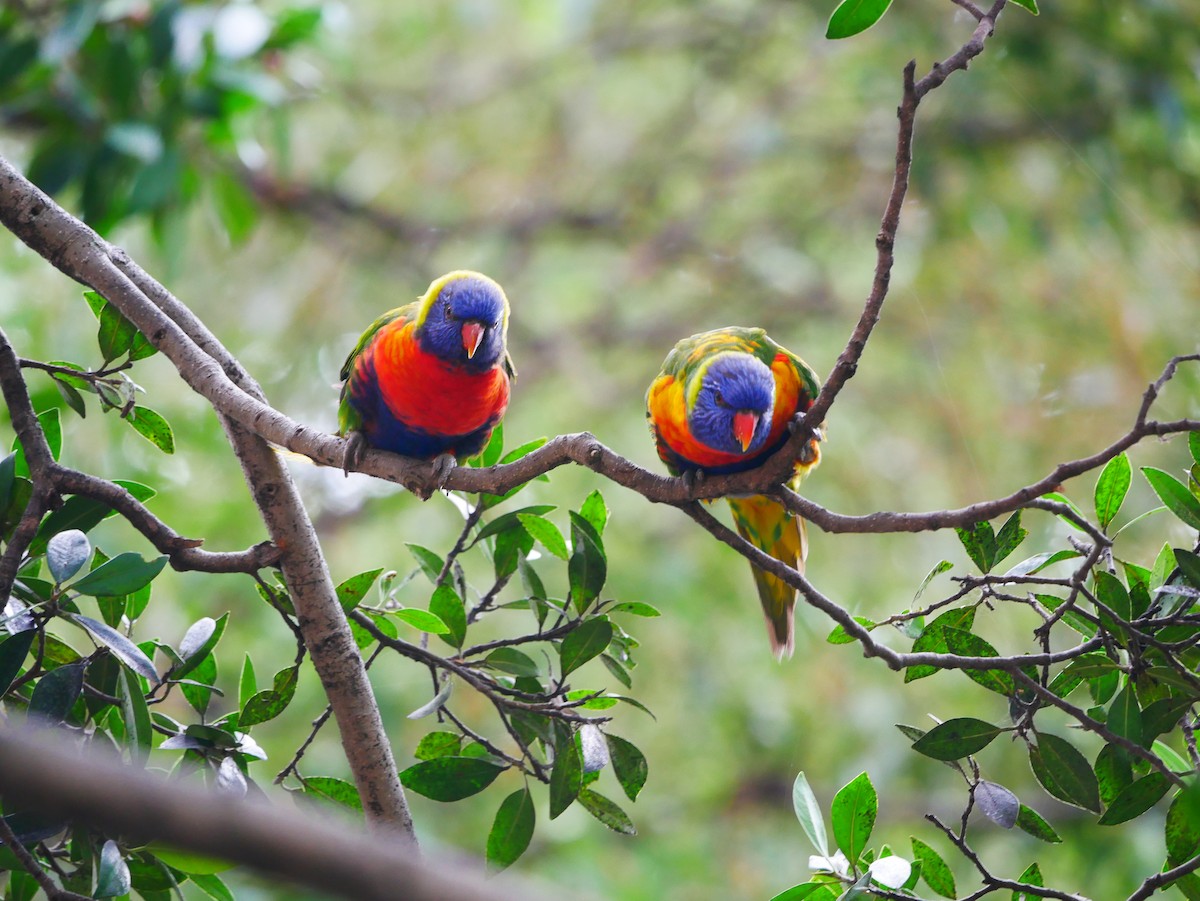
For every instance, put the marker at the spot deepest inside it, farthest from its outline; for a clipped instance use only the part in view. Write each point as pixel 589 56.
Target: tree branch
pixel 322 853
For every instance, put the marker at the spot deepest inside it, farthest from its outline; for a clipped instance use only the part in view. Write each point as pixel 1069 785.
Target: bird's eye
pixel 721 400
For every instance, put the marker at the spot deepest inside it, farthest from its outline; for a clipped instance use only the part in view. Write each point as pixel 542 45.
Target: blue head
pixel 730 408
pixel 464 320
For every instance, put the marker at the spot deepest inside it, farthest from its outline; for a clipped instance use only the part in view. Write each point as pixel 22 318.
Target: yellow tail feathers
pixel 771 528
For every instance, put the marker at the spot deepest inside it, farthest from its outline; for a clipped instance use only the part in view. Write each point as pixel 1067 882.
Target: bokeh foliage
pixel 634 172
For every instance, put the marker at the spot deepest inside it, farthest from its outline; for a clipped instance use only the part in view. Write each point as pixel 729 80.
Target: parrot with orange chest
pixel 724 402
pixel 430 379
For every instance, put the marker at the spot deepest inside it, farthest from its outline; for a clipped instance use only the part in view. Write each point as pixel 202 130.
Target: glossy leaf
pixel 852 815
pixel 1064 772
pixel 1030 6
pixel 139 734
pixel 153 427
pixel 934 871
pixel 124 649
pixel 438 744
pixel 933 639
pixel 629 765
pixel 513 662
pixel 1009 538
pixel 637 608
pixel 1124 716
pixel 266 705
pixel 447 606
pixel 431 564
pixel 450 778
pixel 13 651
pixel 956 738
pixel 595 511
pixel 123 574
pixel 330 788
pixel 839 635
pixel 1030 821
pixel 587 568
pixel 566 778
pixel 853 17
pixel 1136 799
pixel 112 876
pixel 545 533
pixel 511 830
pixel 422 620
pixel 607 812
pixel 808 812
pixel 1175 495
pixel 1114 773
pixel 351 592
pixel 199 640
pixel 1182 827
pixel 585 642
pixel 968 644
pixel 1111 488
pixel 56 692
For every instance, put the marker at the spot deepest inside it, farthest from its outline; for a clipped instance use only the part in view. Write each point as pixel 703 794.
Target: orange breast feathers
pixel 788 403
pixel 430 394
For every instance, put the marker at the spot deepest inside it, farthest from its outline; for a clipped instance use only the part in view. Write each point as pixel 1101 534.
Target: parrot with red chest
pixel 431 379
pixel 724 402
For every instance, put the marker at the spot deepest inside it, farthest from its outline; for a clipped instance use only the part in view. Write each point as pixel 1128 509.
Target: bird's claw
pixel 692 480
pixel 442 466
pixel 352 452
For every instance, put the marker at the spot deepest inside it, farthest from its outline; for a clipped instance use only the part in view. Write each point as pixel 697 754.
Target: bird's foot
pixel 692 479
pixel 356 444
pixel 442 466
pixel 808 454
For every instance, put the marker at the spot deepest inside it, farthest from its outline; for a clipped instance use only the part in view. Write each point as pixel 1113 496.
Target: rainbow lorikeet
pixel 430 379
pixel 723 403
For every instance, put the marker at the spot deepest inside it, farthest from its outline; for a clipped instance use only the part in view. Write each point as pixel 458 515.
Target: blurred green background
pixel 633 172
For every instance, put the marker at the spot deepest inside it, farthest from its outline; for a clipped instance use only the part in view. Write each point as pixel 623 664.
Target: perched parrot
pixel 723 403
pixel 430 379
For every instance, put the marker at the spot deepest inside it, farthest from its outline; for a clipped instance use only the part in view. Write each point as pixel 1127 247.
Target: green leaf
pixel 933 639
pixel 330 788
pixel 511 830
pixel 1064 772
pixel 1173 493
pixel 52 428
pixel 944 566
pixel 1114 773
pixel 512 546
pixel 956 738
pixel 588 567
pixel 808 811
pixel 587 641
pixel 247 683
pixel 211 885
pixel 266 705
pixel 1030 821
pixel 1031 6
pixel 1009 538
pixel 514 662
pixel 566 778
pixel 450 778
pixel 13 651
pixel 8 475
pixel 1033 873
pixel 447 606
pixel 56 692
pixel 122 648
pixel 979 541
pixel 629 765
pixel 595 511
pixel 852 815
pixel 839 635
pixel 116 333
pixel 438 744
pixel 83 513
pixel 854 17
pixel 351 592
pixel 139 734
pixel 153 427
pixel 607 812
pixel 112 876
pixel 1136 799
pixel 1182 827
pixel 934 871
pixel 545 533
pixel 1194 445
pixel 199 640
pixel 508 521
pixel 431 564
pixel 808 891
pixel 422 620
pixel 967 644
pixel 637 608
pixel 1111 488
pixel 123 574
pixel 1124 716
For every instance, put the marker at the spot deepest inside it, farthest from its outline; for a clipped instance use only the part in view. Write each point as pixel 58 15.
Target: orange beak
pixel 472 334
pixel 744 424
